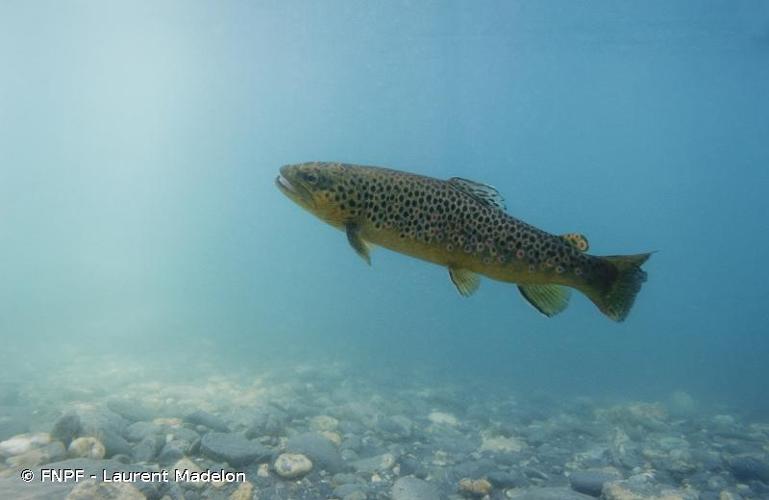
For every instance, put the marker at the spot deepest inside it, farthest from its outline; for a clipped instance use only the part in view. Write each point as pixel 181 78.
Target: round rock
pixel 234 449
pixel 291 465
pixel 411 488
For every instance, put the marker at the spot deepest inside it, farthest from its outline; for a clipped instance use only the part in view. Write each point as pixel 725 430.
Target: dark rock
pixel 411 467
pixel 591 482
pixel 140 430
pixel 267 421
pixel 507 479
pixel 351 427
pixel 200 417
pixel 747 468
pixel 395 428
pixel 475 468
pixel 411 488
pixel 170 454
pixel 552 493
pixel 643 486
pixel 347 489
pixel 54 451
pixel 148 448
pixel 114 444
pixel 351 443
pixel 131 410
pixel 96 421
pixel 235 449
pixel 321 451
pixel 66 428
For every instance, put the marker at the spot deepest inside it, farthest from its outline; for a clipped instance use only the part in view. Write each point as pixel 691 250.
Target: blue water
pixel 139 142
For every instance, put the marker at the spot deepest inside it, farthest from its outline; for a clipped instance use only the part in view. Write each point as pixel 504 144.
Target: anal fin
pixel 357 243
pixel 547 299
pixel 467 282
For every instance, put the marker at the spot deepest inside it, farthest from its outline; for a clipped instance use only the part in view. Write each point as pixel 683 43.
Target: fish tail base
pixel 615 294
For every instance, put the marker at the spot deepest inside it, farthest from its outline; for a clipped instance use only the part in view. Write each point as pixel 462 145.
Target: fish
pixel 463 226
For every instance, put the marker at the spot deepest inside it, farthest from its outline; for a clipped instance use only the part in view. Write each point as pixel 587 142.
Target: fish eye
pixel 310 177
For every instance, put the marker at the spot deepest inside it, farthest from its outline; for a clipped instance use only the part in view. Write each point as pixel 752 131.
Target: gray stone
pixel 374 464
pixel 348 489
pixel 395 428
pixel 551 493
pixel 411 467
pixel 148 448
pixel 140 430
pixel 591 482
pixel 505 479
pixel 94 421
pixel 200 417
pixel 267 421
pixel 411 488
pixel 170 454
pixel 149 489
pixel 66 428
pixel 321 451
pixel 114 444
pixel 746 468
pixel 235 449
pixel 643 486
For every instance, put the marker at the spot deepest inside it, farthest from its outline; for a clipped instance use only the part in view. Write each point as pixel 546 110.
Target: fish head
pixel 314 186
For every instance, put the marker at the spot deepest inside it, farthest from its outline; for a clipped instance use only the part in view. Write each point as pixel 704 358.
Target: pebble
pixel 321 451
pixel 97 490
pixel 324 423
pixel 66 428
pixel 244 491
pixel 591 482
pixel 411 488
pixel 292 465
pixel 232 448
pixel 747 468
pixel 474 487
pixel 140 430
pixel 148 448
pixel 554 493
pixel 23 443
pixel 185 464
pixel 86 447
pixel 378 463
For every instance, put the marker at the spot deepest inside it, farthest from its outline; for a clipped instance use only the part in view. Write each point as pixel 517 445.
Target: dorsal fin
pixel 578 241
pixel 481 192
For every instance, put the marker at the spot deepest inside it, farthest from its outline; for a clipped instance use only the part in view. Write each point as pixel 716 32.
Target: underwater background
pixel 143 241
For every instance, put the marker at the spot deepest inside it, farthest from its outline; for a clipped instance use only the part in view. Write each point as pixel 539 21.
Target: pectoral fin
pixel 466 281
pixel 357 243
pixel 547 299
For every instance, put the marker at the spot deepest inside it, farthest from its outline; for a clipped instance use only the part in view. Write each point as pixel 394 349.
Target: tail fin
pixel 615 294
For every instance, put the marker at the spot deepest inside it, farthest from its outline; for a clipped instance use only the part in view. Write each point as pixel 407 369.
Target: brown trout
pixel 462 225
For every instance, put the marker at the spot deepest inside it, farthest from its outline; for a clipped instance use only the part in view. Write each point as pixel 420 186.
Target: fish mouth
pixel 285 185
pixel 298 193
